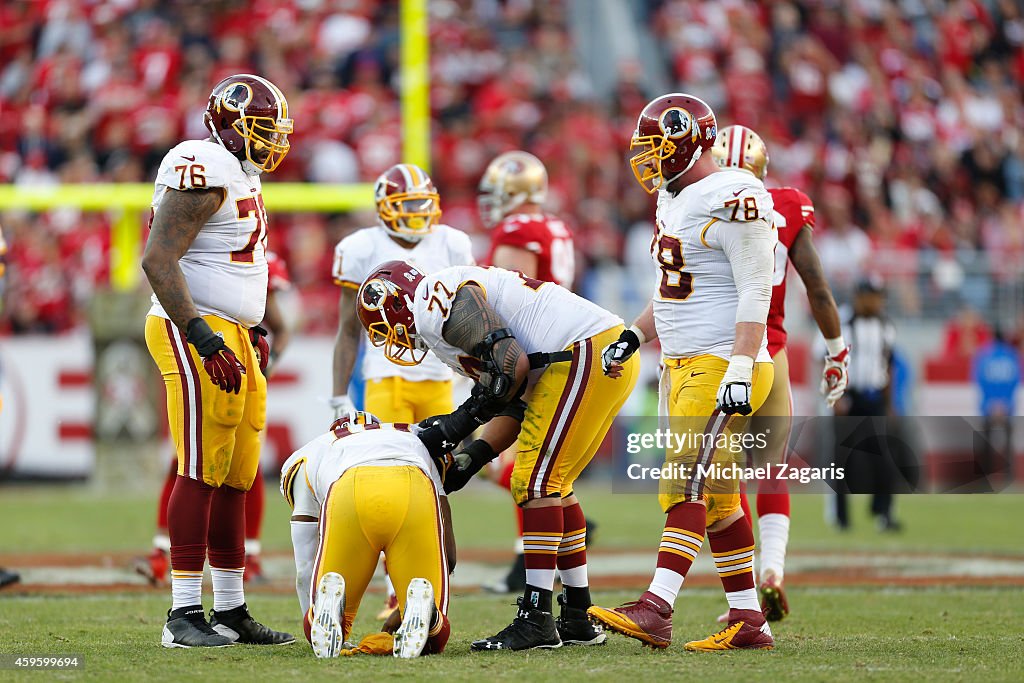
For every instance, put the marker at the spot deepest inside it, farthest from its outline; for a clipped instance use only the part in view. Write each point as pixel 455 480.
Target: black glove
pixel 618 352
pixel 441 433
pixel 219 361
pixel 467 463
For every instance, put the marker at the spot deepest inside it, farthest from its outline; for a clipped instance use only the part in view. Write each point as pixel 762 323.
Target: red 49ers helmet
pixel 671 134
pixel 407 202
pixel 248 116
pixel 384 306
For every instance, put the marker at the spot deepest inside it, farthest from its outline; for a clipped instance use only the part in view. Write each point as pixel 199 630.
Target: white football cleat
pixel 411 636
pixel 327 633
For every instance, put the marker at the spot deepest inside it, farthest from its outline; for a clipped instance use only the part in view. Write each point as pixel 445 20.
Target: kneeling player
pixel 361 489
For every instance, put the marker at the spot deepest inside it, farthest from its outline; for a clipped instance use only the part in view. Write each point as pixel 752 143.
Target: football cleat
pixel 238 625
pixel 8 578
pixel 747 630
pixel 574 628
pixel 187 627
pixel 774 605
pixel 411 636
pixel 390 605
pixel 648 619
pixel 531 629
pixel 253 570
pixel 327 633
pixel 153 567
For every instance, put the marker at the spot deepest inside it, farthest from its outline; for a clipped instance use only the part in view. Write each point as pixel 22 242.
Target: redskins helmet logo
pixel 375 294
pixel 676 123
pixel 236 97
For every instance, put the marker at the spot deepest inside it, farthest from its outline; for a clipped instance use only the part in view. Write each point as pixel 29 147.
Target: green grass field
pixel 835 633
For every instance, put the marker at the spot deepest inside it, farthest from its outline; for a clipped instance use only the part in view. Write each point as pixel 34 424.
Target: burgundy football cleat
pixel 648 619
pixel 154 567
pixel 747 630
pixel 773 599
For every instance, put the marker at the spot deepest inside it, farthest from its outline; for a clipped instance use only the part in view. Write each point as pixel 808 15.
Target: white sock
pixel 744 599
pixel 162 542
pixel 252 546
pixel 227 588
pixel 390 586
pixel 574 577
pixel 519 546
pixel 186 589
pixel 541 578
pixel 774 536
pixel 666 584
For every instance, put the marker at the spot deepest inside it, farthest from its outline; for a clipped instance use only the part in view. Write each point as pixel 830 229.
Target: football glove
pixel 341 405
pixel 258 337
pixel 618 352
pixel 835 376
pixel 467 463
pixel 219 361
pixel 734 391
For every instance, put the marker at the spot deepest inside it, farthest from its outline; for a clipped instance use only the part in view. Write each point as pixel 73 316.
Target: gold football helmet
pixel 511 180
pixel 739 147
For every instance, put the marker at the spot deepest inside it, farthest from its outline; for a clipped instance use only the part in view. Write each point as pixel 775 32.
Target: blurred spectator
pixel 965 334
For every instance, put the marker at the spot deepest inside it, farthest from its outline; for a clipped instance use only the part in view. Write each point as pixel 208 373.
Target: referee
pixel 861 445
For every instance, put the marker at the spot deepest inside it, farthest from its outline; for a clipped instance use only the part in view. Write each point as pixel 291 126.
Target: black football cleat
pixel 239 627
pixel 531 629
pixel 8 578
pixel 187 627
pixel 574 628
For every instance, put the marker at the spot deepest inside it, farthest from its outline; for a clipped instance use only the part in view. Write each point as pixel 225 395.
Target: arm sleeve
pixel 750 248
pixel 305 536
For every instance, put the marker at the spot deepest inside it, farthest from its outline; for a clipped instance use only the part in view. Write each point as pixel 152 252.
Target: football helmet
pixel 353 421
pixel 248 116
pixel 671 134
pixel 739 147
pixel 384 306
pixel 511 180
pixel 408 205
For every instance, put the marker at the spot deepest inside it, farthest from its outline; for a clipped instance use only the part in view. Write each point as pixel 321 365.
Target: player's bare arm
pixel 346 341
pixel 823 307
pixel 516 258
pixel 179 218
pixel 469 324
pixel 274 321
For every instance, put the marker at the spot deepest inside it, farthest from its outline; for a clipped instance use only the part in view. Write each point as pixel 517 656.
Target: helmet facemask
pixel 646 163
pixel 409 215
pixel 266 141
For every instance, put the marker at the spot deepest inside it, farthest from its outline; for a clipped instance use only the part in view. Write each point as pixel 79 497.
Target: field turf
pixel 872 633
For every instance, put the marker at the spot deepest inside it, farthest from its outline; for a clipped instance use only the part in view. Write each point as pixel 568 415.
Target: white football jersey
pixel 543 316
pixel 226 266
pixel 357 255
pixel 322 461
pixel 695 295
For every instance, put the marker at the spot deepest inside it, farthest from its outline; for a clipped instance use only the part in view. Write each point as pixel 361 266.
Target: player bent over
pixel 361 489
pixel 741 148
pixel 494 325
pixel 205 260
pixel 713 248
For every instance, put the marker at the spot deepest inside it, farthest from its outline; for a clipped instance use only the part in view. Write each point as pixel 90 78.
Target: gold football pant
pixel 375 509
pixel 216 434
pixel 394 399
pixel 688 395
pixel 568 414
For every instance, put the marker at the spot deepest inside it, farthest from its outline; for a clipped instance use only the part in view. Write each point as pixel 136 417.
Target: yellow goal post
pixel 129 203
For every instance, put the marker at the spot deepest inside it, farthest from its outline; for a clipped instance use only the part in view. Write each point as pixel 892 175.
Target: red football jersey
pixel 277 271
pixel 793 210
pixel 547 237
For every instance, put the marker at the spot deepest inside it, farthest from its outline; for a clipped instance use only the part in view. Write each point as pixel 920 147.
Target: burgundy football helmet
pixel 408 205
pixel 384 306
pixel 353 421
pixel 671 134
pixel 248 116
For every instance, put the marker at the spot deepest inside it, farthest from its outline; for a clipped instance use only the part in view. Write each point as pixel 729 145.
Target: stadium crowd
pixel 900 119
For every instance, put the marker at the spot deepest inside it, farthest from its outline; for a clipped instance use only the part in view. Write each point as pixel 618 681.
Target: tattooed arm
pixel 178 220
pixel 470 320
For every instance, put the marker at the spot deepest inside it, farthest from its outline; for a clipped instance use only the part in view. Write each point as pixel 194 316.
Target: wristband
pixel 639 334
pixel 835 346
pixel 741 369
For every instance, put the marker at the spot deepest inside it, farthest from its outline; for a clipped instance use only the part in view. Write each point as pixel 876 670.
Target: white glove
pixel 836 373
pixel 734 391
pixel 341 405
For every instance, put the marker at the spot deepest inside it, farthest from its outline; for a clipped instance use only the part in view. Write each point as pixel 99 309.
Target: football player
pixel 527 239
pixel 361 489
pixel 206 262
pixel 154 566
pixel 741 148
pixel 713 249
pixel 408 228
pixel 494 325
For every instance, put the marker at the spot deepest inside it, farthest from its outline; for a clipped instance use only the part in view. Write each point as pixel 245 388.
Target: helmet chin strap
pixel 693 160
